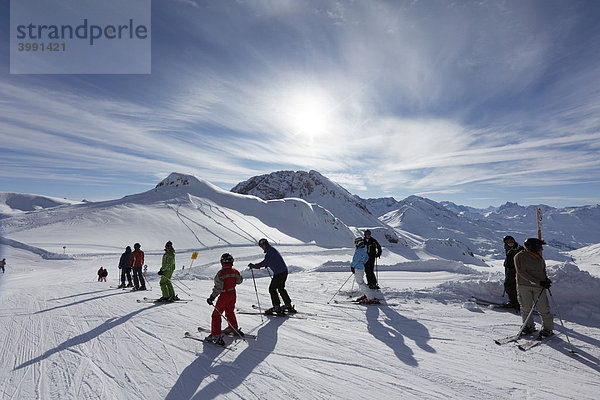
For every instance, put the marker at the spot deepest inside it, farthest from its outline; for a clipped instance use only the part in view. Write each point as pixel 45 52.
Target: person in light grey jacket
pixel 532 281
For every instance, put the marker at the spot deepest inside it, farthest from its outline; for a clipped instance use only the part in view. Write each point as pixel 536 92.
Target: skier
pixel 531 282
pixel 102 274
pixel 511 247
pixel 357 267
pixel 374 251
pixel 124 263
pixel 2 264
pixel 225 281
pixel 274 261
pixel 137 260
pixel 166 272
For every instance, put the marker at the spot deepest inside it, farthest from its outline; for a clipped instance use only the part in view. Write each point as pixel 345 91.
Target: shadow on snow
pixel 398 327
pixel 225 376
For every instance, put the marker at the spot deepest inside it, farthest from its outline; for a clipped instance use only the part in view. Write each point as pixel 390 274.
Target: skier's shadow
pixel 225 377
pixel 78 302
pixel 84 337
pixel 397 328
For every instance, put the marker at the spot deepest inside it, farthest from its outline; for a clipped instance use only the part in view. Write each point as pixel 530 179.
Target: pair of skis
pixel 233 335
pixel 156 301
pixel 527 345
pixel 363 304
pixel 300 315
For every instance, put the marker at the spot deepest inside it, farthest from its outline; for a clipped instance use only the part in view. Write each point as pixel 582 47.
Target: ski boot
pixel 290 308
pixel 545 333
pixel 230 331
pixel 216 339
pixel 370 301
pixel 528 330
pixel 272 310
pixel 280 311
pixel 361 298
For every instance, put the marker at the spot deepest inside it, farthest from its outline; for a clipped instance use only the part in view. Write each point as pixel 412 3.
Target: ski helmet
pixel 509 238
pixel 534 244
pixel 137 246
pixel 359 242
pixel 226 259
pixel 263 242
pixel 168 244
pixel 368 232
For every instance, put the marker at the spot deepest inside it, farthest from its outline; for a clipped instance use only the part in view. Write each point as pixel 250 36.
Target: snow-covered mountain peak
pixel 314 188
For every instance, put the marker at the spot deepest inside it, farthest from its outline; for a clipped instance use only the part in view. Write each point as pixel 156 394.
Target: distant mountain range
pixel 481 230
pixel 286 207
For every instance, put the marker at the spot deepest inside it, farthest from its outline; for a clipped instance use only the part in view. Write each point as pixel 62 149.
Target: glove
pixel 352 269
pixel 210 300
pixel 546 284
pixel 161 272
pixel 253 266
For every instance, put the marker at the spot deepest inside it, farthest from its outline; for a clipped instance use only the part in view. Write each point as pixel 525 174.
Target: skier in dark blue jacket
pixel 274 261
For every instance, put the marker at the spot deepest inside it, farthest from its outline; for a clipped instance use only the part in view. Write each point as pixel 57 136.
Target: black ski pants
pixel 138 278
pixel 126 272
pixel 369 271
pixel 278 285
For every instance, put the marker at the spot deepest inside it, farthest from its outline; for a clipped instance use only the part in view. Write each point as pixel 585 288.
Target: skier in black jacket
pixel 374 251
pixel 511 247
pixel 125 268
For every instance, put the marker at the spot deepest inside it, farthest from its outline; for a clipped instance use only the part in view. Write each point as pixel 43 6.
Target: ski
pixel 363 304
pixel 534 342
pixel 199 339
pixel 269 315
pixel 232 334
pixel 512 338
pixel 297 312
pixel 493 304
pixel 148 300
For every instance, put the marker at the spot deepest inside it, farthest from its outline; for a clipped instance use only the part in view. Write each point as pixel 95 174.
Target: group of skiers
pixel 526 283
pixel 102 274
pixel 363 264
pixel 132 261
pixel 224 288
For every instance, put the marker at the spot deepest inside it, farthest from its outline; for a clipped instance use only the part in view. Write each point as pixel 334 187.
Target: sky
pixel 475 102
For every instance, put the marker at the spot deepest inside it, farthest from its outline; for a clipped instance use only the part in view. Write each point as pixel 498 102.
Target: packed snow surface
pixel 67 336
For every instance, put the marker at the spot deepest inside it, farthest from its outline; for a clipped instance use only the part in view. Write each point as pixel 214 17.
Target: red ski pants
pixel 226 305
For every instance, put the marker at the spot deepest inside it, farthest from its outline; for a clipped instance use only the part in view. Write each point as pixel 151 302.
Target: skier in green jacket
pixel 166 271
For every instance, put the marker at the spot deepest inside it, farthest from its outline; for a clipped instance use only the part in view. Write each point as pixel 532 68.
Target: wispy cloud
pixel 384 97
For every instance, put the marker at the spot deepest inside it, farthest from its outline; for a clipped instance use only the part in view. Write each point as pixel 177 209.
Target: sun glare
pixel 308 113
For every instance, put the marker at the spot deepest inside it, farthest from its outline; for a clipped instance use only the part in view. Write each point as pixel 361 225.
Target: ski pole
pixel 257 300
pixel 377 269
pixel 186 286
pixel 530 313
pixel 225 318
pixel 341 287
pixel 561 321
pixel 179 287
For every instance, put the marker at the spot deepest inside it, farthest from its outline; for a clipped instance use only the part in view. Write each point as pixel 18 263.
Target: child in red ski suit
pixel 225 281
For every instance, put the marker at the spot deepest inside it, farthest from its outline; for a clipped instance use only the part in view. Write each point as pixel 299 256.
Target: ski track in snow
pixel 69 338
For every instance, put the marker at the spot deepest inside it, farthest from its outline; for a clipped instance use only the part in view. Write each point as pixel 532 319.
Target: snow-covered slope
pixel 67 336
pixel 314 188
pixel 190 212
pixel 12 203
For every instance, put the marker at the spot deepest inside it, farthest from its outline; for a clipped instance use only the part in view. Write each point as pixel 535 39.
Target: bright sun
pixel 308 112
